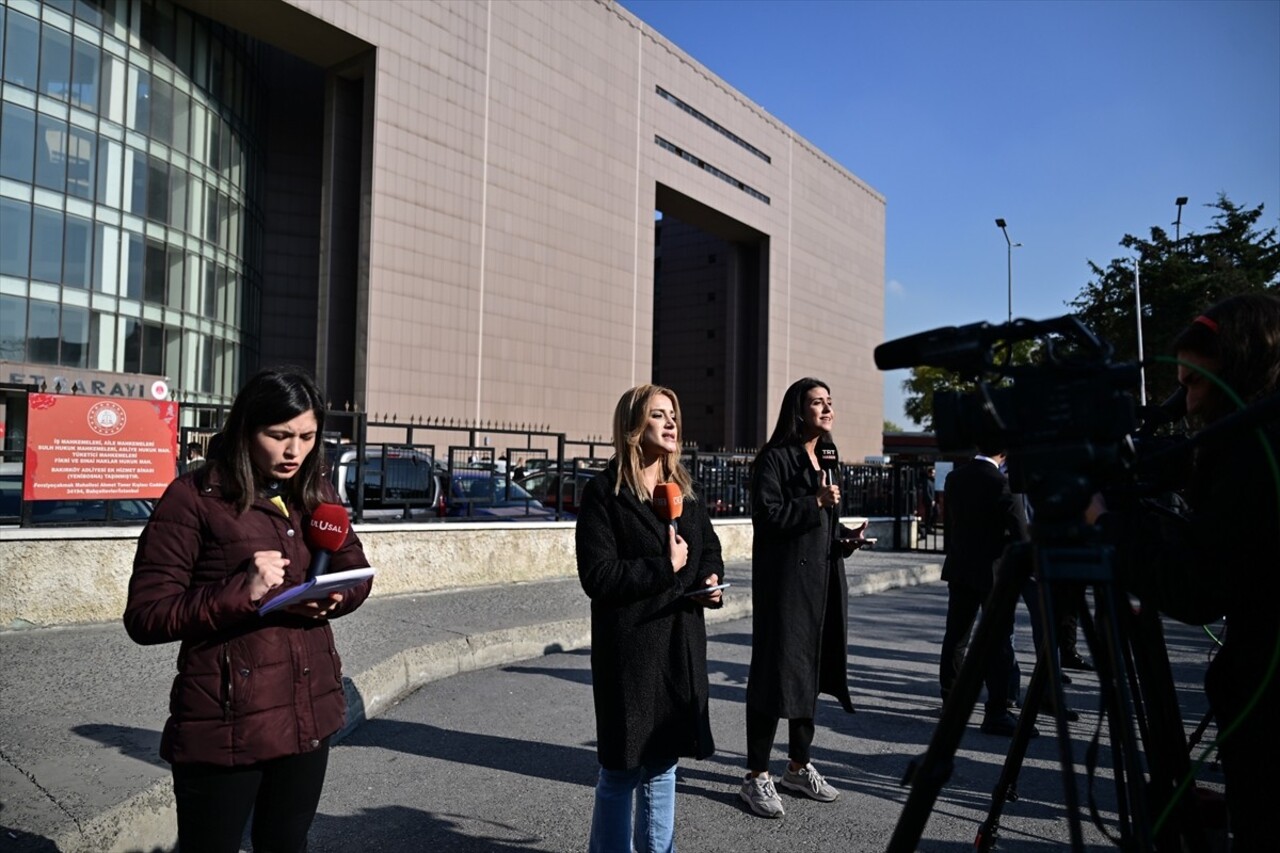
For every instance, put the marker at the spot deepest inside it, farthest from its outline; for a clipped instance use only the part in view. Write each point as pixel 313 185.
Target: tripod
pixel 1055 559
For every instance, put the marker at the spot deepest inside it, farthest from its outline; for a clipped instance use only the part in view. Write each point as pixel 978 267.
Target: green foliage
pixel 1180 278
pixel 890 426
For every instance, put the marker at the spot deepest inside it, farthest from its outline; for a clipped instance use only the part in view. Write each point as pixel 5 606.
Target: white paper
pixel 318 588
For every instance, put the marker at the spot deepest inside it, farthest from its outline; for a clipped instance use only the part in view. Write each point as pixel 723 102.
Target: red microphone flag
pixel 326 532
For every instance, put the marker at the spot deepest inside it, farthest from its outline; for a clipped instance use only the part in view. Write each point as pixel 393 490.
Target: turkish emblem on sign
pixel 91 448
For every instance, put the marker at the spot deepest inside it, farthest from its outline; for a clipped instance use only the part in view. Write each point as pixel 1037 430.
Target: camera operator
pixel 1222 558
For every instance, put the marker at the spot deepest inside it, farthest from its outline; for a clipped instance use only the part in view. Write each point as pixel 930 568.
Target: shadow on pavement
pixel 398 829
pixel 131 741
pixel 571 765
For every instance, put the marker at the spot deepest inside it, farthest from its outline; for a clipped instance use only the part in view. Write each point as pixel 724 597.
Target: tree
pixel 1179 279
pixel 890 426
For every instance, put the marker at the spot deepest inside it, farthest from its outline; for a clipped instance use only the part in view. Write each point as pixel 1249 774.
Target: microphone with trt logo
pixel 326 532
pixel 668 503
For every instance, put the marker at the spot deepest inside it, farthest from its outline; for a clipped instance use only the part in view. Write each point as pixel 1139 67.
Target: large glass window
pixel 74 351
pixel 181 121
pixel 55 62
pixel 82 147
pixel 77 252
pixel 17 142
pixel 132 348
pixel 13 328
pixel 161 111
pixel 133 266
pixel 152 348
pixel 51 152
pixel 157 190
pixel 42 336
pixel 46 244
pixel 154 270
pixel 138 108
pixel 85 73
pixel 174 277
pixel 21 50
pixel 136 178
pixel 178 198
pixel 15 248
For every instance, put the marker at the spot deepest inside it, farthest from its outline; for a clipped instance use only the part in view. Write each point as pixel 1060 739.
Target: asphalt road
pixel 503 760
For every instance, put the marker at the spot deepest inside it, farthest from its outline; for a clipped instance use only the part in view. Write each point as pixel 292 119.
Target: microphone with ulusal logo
pixel 326 532
pixel 668 503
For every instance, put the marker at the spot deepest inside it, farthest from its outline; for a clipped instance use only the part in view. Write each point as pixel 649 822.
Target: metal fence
pixel 437 470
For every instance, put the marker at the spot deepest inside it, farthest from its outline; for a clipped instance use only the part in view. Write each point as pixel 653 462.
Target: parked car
pixel 67 512
pixel 557 491
pixel 488 495
pixel 399 482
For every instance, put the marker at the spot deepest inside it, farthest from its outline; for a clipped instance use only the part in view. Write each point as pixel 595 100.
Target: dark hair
pixel 1241 333
pixel 787 430
pixel 273 396
pixel 194 445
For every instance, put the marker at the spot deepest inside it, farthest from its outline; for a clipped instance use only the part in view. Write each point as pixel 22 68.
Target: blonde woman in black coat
pixel 800 594
pixel 648 640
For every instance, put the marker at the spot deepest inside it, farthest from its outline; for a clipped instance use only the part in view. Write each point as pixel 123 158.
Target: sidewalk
pixel 81 708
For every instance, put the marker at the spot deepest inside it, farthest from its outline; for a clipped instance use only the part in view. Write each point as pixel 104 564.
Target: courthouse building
pixel 472 209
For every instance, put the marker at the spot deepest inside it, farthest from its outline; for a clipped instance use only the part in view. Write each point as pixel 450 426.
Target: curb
pixel 147 820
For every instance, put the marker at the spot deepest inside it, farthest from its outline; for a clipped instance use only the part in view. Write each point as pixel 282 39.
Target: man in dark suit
pixel 981 518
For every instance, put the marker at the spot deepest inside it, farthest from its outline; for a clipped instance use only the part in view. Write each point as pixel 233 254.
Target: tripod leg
pixel 1130 785
pixel 928 774
pixel 1006 785
pixel 1178 825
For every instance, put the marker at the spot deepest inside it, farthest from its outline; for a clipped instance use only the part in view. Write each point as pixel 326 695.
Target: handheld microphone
pixel 326 532
pixel 668 502
pixel 829 461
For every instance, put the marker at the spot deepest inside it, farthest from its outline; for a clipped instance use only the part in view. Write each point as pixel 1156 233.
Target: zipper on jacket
pixel 227 682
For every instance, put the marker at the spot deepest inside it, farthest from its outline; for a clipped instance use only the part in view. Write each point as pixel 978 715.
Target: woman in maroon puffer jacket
pixel 256 697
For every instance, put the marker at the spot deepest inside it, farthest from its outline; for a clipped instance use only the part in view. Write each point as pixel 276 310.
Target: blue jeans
pixel 653 788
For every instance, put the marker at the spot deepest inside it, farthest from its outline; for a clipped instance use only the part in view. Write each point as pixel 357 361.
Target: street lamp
pixel 1177 225
pixel 1000 223
pixel 1137 298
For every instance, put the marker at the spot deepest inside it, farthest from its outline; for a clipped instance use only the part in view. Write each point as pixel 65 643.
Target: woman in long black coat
pixel 800 594
pixel 648 639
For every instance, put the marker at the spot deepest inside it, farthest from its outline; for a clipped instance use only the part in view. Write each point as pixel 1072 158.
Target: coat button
pixel 314 744
pixel 289 532
pixel 244 673
pixel 307 671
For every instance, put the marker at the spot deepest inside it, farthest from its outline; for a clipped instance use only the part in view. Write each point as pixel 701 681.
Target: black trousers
pixel 963 606
pixel 214 803
pixel 761 729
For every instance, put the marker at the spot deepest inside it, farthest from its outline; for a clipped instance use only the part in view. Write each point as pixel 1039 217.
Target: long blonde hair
pixel 630 418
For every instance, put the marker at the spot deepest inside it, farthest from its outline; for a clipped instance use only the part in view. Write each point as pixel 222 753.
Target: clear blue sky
pixel 1076 122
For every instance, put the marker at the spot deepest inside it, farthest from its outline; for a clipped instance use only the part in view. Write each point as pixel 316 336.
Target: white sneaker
pixel 758 792
pixel 808 781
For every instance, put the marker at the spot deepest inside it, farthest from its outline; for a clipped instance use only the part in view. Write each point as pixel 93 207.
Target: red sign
pixel 98 448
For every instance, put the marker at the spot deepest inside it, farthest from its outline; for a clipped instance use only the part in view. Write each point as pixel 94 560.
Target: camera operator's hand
pixel 1097 506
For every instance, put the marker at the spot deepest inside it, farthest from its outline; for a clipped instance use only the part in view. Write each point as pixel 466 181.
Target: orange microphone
pixel 668 502
pixel 325 534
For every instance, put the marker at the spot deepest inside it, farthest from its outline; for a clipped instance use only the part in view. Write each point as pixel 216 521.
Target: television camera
pixel 1070 428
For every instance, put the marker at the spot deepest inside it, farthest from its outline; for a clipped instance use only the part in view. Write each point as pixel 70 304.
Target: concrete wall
pixel 64 577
